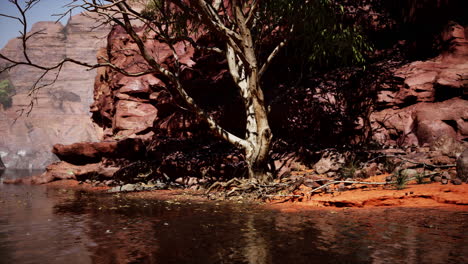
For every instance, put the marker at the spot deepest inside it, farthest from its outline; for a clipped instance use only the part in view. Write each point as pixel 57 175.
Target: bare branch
pixel 13 17
pixel 252 11
pixel 273 54
pixel 214 126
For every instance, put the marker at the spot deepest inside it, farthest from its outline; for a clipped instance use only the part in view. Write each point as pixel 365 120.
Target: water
pixel 49 225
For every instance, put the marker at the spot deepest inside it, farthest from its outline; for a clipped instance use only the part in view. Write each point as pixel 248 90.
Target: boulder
pixel 92 152
pixel 133 117
pixel 330 162
pixel 426 100
pixel 422 123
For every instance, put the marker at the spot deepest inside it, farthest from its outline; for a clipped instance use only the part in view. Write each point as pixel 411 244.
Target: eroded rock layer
pixel 61 111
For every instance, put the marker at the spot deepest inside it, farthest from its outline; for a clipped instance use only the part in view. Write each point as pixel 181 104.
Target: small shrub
pixel 420 178
pixel 401 180
pixel 6 92
pixel 349 170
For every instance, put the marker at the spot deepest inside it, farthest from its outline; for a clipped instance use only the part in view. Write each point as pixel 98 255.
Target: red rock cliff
pixel 61 111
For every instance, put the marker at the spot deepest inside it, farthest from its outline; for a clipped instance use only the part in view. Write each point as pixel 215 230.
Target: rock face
pixel 61 111
pixel 428 99
pixel 130 107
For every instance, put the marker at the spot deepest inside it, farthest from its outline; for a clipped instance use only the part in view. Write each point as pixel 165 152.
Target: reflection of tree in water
pixel 116 236
pixel 143 231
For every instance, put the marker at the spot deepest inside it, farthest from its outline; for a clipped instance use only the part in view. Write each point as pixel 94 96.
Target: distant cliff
pixel 61 111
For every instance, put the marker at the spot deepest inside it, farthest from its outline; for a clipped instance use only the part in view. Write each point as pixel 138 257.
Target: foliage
pixel 349 170
pixel 7 90
pixel 321 38
pixel 318 36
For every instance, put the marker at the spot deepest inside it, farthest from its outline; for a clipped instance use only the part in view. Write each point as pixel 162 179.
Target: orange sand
pixel 415 195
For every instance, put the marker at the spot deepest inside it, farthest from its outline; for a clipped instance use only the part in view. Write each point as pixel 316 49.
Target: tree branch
pixel 273 54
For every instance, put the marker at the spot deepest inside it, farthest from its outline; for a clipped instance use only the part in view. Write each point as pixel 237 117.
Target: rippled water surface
pixel 49 225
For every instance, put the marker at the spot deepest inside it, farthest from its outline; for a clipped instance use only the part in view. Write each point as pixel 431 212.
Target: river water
pixel 52 225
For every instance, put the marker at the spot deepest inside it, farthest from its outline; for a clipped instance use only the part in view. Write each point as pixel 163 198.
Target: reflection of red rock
pixel 64 171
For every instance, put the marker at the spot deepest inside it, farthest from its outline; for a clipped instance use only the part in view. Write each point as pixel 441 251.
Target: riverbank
pixel 413 195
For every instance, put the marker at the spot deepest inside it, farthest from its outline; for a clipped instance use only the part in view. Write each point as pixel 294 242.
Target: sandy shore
pixel 414 195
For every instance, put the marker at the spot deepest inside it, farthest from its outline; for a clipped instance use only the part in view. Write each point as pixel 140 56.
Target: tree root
pixel 250 188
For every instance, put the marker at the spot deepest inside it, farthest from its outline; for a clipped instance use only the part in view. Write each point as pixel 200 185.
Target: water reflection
pixel 43 225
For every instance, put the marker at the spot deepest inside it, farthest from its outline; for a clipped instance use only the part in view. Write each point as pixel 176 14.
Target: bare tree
pixel 249 34
pixel 175 21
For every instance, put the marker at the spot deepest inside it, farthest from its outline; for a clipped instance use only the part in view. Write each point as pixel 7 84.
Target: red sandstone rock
pixel 428 106
pixel 92 152
pixel 133 117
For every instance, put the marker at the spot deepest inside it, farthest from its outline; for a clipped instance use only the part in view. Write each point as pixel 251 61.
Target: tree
pixel 243 27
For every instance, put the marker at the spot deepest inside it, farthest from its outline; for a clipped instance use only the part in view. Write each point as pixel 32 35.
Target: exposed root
pixel 248 188
pixel 289 190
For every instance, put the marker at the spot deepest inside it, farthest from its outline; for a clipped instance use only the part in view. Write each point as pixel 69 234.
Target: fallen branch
pixel 352 182
pixel 283 195
pixel 412 161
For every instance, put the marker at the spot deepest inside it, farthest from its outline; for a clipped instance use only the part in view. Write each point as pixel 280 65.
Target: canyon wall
pixel 407 104
pixel 425 101
pixel 60 112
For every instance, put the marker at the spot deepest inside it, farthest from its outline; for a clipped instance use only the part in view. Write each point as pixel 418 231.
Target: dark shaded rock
pixel 456 181
pixel 446 175
pixel 462 166
pixel 369 170
pixel 311 183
